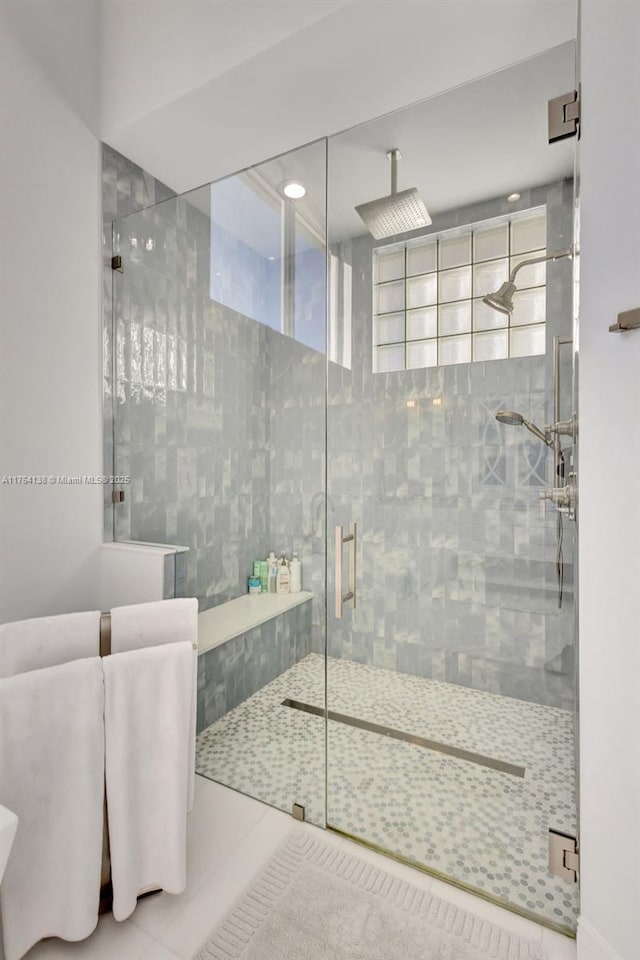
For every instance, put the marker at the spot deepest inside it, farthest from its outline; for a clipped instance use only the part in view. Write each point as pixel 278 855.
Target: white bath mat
pixel 315 902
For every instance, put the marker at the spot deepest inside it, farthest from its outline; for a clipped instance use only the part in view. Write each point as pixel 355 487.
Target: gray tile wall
pixel 230 459
pixel 235 670
pixel 175 575
pixel 191 390
pixel 456 564
pixel 126 188
pixel 226 453
pixel 297 430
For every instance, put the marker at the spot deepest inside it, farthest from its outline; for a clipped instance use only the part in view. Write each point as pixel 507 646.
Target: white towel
pixel 149 624
pixel 163 621
pixel 147 720
pixel 48 641
pixel 52 777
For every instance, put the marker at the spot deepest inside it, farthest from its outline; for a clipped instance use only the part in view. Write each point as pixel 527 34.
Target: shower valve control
pixel 564 497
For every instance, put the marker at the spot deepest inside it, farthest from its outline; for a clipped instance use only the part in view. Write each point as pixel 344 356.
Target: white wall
pixel 365 59
pixel 130 573
pixel 50 414
pixel 609 483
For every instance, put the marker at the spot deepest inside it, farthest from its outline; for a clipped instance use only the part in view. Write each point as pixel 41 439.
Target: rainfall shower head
pixel 517 420
pixel 397 212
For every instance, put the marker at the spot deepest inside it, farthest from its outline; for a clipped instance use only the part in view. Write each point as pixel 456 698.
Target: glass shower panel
pixel 220 385
pixel 450 664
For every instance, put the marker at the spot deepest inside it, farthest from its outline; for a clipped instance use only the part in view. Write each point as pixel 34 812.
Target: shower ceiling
pixel 500 122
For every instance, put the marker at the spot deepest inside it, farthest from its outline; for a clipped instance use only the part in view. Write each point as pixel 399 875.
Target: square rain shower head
pixel 393 214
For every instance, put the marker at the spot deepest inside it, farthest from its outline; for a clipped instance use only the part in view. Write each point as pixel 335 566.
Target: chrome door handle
pixel 348 598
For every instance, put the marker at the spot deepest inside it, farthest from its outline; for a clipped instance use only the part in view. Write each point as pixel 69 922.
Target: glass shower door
pixel 450 661
pixel 219 420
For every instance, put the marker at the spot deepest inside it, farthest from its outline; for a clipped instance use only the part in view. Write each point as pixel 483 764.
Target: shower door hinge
pixel 117 496
pixel 298 812
pixel 564 859
pixel 116 263
pixel 564 116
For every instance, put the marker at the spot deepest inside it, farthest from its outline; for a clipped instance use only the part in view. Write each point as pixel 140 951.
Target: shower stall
pixel 280 380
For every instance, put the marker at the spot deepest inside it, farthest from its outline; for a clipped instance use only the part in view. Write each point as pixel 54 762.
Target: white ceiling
pixel 155 51
pixel 485 139
pixel 357 61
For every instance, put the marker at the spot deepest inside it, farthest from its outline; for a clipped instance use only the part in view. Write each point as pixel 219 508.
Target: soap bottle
pixel 264 576
pixel 282 583
pixel 272 573
pixel 295 575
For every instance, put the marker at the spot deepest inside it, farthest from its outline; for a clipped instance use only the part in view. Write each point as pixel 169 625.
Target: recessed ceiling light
pixel 293 190
pixel 513 197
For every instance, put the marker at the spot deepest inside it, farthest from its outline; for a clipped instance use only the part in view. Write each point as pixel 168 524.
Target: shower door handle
pixel 348 598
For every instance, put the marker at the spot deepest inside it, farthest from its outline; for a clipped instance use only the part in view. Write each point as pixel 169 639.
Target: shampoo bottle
pixel 295 575
pixel 282 584
pixel 272 573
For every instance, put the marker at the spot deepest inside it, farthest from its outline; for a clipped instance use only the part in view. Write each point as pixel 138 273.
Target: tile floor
pixel 230 839
pixel 485 828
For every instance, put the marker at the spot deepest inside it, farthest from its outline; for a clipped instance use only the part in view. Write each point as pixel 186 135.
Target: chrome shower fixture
pixel 502 298
pixel 399 212
pixel 517 420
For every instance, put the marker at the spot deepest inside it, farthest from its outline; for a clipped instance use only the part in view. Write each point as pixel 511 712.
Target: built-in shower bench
pixel 244 644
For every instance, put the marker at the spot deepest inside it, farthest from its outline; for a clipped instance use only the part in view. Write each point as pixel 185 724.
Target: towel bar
pixel 105 635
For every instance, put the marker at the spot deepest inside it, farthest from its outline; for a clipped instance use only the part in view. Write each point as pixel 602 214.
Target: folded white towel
pixel 149 624
pixel 148 696
pixel 48 641
pixel 162 621
pixel 52 777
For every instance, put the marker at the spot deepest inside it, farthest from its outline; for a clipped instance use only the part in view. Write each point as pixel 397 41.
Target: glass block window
pixel 427 295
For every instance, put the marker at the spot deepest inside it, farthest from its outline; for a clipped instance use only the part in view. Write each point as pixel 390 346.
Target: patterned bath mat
pixel 313 901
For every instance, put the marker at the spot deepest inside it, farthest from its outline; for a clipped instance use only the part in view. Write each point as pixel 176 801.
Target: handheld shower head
pixel 510 417
pixel 517 420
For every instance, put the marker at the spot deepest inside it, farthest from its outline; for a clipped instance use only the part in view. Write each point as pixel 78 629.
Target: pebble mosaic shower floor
pixel 482 827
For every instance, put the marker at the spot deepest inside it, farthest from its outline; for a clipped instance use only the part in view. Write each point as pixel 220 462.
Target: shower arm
pixel 558 255
pixel 394 156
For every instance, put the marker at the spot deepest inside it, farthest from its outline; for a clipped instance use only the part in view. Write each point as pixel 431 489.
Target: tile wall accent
pixel 456 564
pixel 232 672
